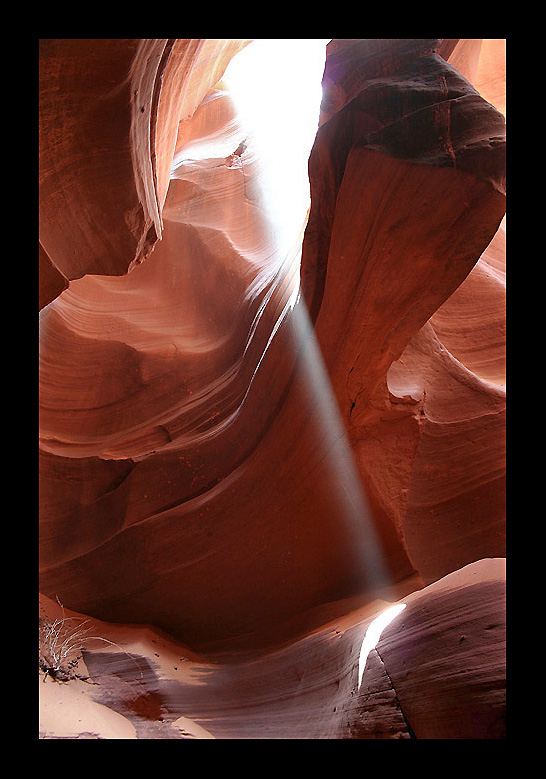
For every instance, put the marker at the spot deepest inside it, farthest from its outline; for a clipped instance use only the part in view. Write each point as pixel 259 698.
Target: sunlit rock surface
pixel 411 326
pixel 109 111
pixel 436 671
pixel 237 463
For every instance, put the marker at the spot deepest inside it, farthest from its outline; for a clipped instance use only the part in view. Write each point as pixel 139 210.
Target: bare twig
pixel 61 646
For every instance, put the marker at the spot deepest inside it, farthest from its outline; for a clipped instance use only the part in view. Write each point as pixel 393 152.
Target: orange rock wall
pixel 191 475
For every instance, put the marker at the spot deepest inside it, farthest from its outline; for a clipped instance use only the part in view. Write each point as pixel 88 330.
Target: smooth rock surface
pixel 249 430
pixel 437 671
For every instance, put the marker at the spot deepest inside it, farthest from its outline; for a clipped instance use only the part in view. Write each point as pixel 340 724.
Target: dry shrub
pixel 61 644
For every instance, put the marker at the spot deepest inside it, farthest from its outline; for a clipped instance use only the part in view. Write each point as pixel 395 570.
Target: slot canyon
pixel 272 388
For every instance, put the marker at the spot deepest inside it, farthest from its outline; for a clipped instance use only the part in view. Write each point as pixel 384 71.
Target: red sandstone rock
pixel 109 113
pixel 393 273
pixel 436 671
pixel 194 475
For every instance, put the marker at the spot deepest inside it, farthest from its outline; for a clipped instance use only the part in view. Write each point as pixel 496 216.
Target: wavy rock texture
pixel 437 671
pixel 428 425
pixel 109 111
pixel 235 465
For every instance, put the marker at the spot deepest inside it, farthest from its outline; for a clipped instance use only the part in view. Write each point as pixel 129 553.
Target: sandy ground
pixel 135 682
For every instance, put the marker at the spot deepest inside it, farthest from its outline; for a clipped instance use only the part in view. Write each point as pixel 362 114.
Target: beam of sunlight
pixel 373 634
pixel 351 500
pixel 276 87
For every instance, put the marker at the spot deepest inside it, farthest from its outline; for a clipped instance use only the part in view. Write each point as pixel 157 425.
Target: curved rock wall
pixel 198 471
pixel 409 305
pixel 436 671
pixel 109 114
